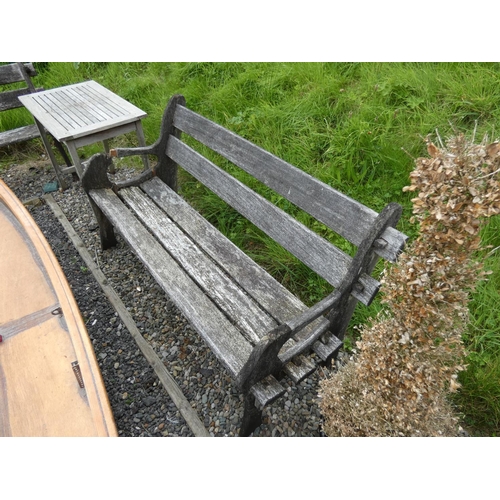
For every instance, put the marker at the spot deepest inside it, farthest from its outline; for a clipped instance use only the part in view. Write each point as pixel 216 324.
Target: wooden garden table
pixel 82 114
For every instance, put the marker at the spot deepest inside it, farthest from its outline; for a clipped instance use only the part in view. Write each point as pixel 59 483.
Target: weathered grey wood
pixel 263 360
pixel 9 99
pixel 209 273
pixel 224 339
pixel 230 298
pixel 166 168
pixel 82 114
pixel 45 139
pixel 299 368
pixel 252 416
pixel 267 390
pixel 79 110
pixel 271 295
pixel 19 72
pixel 364 260
pixel 24 71
pixel 317 253
pixel 327 350
pixel 344 215
pixel 10 73
pixel 18 135
pixel 253 324
pixel 96 177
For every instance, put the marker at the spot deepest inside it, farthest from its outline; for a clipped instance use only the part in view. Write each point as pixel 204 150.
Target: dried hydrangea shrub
pixel 409 358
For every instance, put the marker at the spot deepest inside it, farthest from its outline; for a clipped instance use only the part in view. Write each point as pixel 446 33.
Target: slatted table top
pixel 80 110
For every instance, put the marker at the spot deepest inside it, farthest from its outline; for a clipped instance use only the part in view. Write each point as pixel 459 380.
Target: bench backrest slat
pixel 339 212
pixel 10 73
pixel 9 98
pixel 326 259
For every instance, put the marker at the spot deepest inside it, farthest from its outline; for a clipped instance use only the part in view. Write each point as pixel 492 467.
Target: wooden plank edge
pixel 168 382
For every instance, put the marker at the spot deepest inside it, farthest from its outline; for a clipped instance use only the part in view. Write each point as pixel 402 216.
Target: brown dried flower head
pixel 409 358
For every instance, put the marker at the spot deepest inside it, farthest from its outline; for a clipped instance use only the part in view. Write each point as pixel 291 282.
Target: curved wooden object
pixel 45 353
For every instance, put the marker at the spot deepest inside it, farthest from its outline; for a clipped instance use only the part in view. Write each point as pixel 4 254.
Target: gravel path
pixel 139 402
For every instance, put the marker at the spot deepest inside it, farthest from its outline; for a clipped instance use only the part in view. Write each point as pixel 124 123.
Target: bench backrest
pixel 15 73
pixel 345 216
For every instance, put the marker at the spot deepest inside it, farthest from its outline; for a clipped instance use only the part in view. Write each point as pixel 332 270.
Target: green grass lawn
pixel 355 126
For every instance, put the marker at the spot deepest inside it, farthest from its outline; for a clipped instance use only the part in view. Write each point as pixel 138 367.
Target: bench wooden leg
pixel 106 231
pixel 96 177
pixel 252 416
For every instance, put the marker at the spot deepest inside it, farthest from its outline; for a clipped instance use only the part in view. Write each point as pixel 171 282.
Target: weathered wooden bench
pixel 17 73
pixel 257 328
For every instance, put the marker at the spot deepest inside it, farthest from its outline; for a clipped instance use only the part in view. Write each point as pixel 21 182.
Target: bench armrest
pixel 319 309
pixel 123 152
pixel 264 360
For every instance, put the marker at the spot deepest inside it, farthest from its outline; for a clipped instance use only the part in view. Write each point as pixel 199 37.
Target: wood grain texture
pixel 251 322
pixel 80 110
pixel 225 340
pixel 9 99
pixel 344 215
pixel 10 73
pixel 20 134
pixel 318 254
pixel 279 302
pixel 44 335
pixel 217 285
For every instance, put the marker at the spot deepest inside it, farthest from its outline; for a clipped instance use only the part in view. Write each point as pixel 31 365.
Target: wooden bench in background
pixel 257 328
pixel 14 73
pixel 9 99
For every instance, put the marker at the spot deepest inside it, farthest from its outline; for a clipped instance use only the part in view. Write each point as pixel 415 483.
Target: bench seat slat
pixel 229 297
pixel 321 256
pixel 273 296
pixel 225 341
pixel 326 350
pixel 345 216
pixel 223 338
pixel 267 391
pixel 18 135
pixel 300 368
